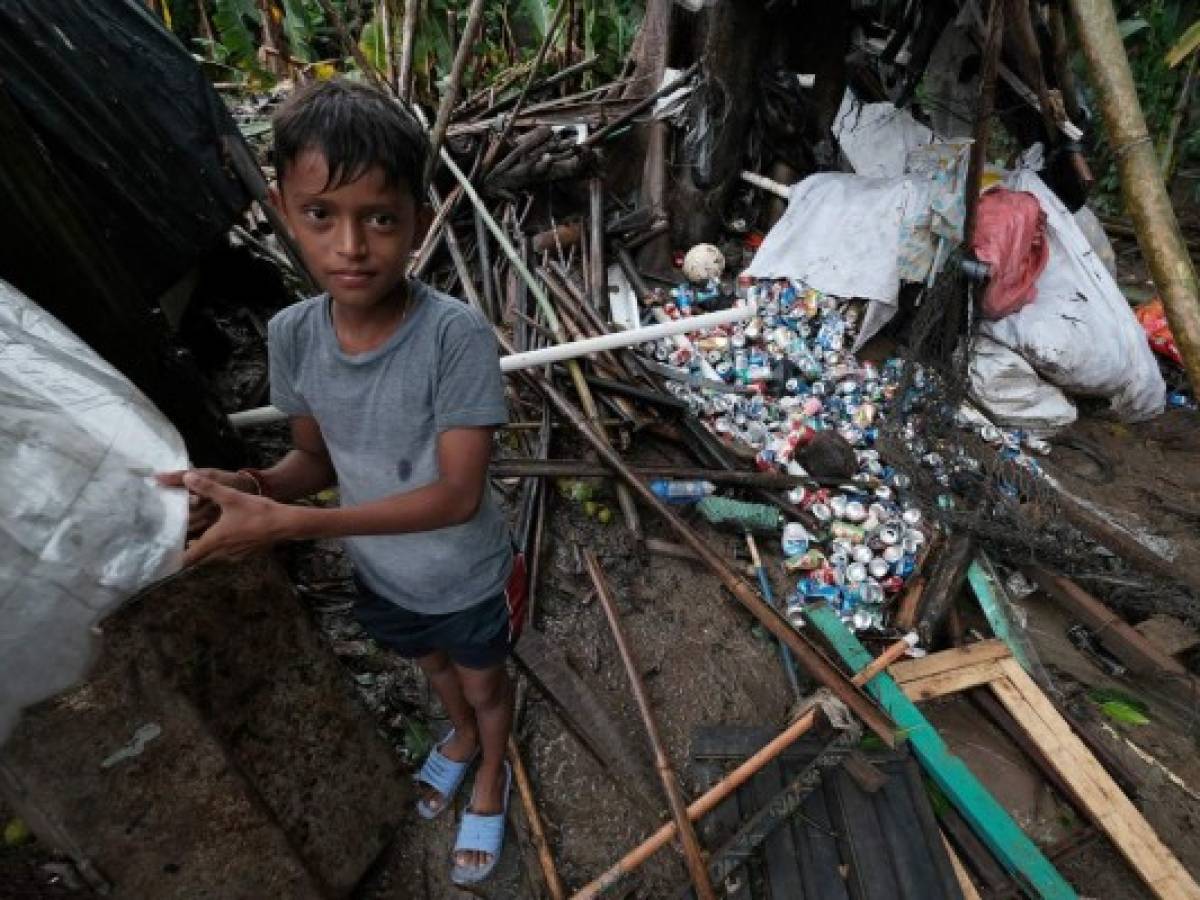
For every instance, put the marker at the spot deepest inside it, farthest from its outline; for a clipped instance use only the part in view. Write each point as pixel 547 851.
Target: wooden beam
pixel 948 660
pixel 1112 812
pixel 952 682
pixel 1118 636
pixel 1011 846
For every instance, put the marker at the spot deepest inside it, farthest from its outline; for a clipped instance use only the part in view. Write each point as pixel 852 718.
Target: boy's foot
pixel 481 832
pixel 487 799
pixel 459 747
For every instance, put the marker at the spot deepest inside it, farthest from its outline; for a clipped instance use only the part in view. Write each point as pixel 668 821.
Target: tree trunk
pixel 1142 186
pixel 735 42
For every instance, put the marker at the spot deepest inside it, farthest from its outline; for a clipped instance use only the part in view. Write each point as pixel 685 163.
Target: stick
pixel 547 39
pixel 537 833
pixel 350 45
pixel 983 115
pixel 466 50
pixel 578 468
pixel 407 36
pixel 245 167
pixel 712 798
pixel 638 108
pixel 692 853
pixel 764 584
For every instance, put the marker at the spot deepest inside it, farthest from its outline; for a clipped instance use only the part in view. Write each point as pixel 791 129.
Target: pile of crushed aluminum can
pixel 794 355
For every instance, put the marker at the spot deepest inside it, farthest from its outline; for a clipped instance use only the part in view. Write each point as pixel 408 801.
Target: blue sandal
pixel 483 834
pixel 442 774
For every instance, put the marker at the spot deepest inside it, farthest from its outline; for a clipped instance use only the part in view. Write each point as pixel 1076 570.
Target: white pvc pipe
pixel 559 352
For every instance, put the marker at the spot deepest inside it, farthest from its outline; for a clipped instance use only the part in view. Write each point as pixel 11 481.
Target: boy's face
pixel 356 238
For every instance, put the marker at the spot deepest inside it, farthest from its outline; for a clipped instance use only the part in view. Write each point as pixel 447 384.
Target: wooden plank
pixel 924 826
pixel 718 826
pixel 783 869
pixel 873 875
pixel 1016 852
pixel 993 600
pixel 820 862
pixel 1170 635
pixel 960 872
pixel 1111 810
pixel 587 717
pixel 952 682
pixel 948 660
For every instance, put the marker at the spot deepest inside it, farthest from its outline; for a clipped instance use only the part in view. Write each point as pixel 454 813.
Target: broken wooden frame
pixel 990 664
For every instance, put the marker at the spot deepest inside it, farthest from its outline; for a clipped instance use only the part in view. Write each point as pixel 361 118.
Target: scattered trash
pixel 141 738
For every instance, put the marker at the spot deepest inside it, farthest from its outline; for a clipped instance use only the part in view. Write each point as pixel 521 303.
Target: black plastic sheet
pixel 130 127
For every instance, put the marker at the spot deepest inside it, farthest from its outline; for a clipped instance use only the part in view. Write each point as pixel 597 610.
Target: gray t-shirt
pixel 380 413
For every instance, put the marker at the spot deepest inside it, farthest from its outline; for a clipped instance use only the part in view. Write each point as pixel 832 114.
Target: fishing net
pixel 973 478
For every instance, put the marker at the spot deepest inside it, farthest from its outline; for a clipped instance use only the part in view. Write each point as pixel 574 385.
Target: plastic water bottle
pixel 682 491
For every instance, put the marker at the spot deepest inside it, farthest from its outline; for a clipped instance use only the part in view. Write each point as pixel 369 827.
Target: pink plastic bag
pixel 1010 236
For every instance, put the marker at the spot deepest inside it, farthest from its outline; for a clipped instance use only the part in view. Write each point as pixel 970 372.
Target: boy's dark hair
pixel 355 127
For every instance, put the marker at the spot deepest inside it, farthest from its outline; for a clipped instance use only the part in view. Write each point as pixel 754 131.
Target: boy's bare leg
pixel 489 692
pixel 443 677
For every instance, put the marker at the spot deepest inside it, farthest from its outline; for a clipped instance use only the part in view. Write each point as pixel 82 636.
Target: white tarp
pixel 1080 333
pixel 840 235
pixel 82 525
pixel 876 138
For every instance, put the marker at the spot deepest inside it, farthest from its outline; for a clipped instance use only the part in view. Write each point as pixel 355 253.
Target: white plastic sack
pixel 1008 389
pixel 82 525
pixel 1089 224
pixel 1080 333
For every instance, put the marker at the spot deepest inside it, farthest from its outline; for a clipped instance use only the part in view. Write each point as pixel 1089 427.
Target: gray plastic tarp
pixel 83 526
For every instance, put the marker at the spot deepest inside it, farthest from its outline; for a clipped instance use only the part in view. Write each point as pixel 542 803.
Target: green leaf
pixel 299 27
pixel 372 45
pixel 1119 706
pixel 1185 46
pixel 233 20
pixel 418 740
pixel 1130 27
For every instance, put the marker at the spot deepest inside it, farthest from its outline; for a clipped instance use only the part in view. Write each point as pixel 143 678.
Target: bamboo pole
pixel 713 797
pixel 1142 186
pixel 692 853
pixel 537 832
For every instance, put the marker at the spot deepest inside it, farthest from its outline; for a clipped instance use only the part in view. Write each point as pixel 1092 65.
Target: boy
pixel 393 392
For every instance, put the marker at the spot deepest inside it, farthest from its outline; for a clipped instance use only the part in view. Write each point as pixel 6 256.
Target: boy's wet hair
pixel 355 127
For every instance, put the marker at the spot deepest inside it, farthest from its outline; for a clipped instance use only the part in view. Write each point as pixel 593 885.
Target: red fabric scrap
pixel 1010 236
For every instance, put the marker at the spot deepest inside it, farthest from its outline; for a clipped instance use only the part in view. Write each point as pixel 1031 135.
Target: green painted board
pixel 994 601
pixel 988 819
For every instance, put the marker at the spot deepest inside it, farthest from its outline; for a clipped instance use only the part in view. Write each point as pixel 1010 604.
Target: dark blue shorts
pixel 478 637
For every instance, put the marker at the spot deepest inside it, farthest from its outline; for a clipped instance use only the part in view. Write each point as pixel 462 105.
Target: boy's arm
pixel 249 523
pixel 463 455
pixel 305 470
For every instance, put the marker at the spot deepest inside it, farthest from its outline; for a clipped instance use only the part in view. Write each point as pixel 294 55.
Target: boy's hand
pixel 244 525
pixel 202 512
